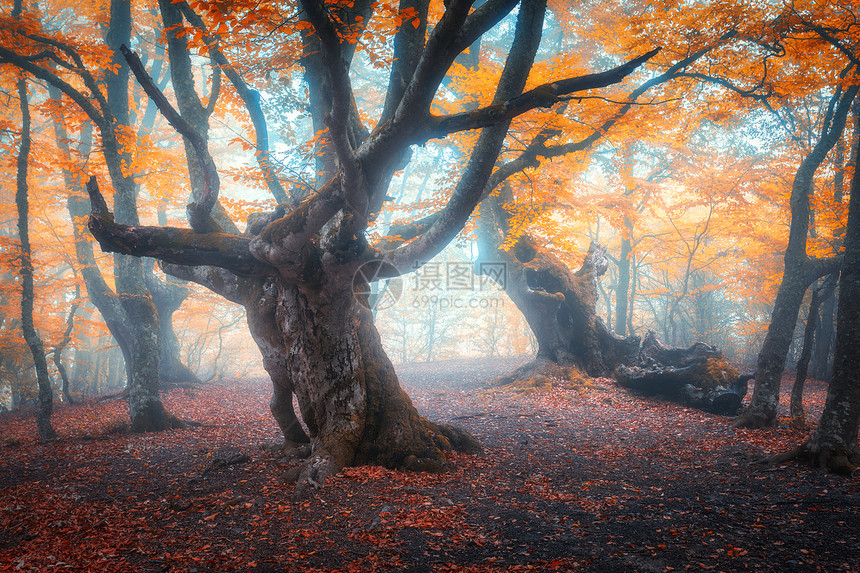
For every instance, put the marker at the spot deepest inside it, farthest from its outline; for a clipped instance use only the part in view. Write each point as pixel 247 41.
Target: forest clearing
pixel 582 478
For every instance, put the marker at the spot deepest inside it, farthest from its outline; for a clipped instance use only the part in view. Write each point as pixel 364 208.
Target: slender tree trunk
pixel 143 347
pixel 58 350
pixel 46 393
pixel 833 445
pixel 633 280
pixel 800 272
pixel 167 297
pixel 818 296
pixel 821 364
pixel 622 292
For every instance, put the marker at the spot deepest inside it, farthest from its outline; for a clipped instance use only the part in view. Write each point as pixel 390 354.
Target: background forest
pixel 688 190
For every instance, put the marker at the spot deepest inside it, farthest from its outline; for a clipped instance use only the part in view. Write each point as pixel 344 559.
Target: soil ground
pixel 573 478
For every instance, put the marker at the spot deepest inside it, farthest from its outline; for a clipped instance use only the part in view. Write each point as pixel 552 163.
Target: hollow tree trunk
pixel 348 392
pixel 560 308
pixel 558 305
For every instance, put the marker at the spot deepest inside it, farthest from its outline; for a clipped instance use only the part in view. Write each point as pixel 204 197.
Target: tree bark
pixel 348 391
pixel 800 272
pixel 697 376
pixel 833 445
pixel 260 298
pixel 821 363
pixel 31 336
pixel 819 295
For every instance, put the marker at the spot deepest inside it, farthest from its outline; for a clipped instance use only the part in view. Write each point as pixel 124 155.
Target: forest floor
pixel 573 478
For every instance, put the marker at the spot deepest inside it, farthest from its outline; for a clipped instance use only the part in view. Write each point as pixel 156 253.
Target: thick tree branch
pixel 199 211
pixel 470 188
pixel 404 232
pixel 218 280
pixel 408 47
pixel 170 244
pixel 284 242
pixel 353 183
pixel 545 95
pixel 820 267
pixel 251 99
pixel 446 41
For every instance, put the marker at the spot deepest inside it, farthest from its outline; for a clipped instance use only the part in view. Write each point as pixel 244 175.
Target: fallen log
pixel 698 376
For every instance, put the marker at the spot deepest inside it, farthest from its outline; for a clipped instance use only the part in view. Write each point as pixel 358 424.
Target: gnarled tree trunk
pixel 305 256
pixel 348 391
pixel 559 305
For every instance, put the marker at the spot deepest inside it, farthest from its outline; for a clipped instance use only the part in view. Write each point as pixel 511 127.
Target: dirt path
pixel 572 479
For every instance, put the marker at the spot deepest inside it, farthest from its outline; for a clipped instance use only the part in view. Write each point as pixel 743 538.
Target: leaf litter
pixel 574 478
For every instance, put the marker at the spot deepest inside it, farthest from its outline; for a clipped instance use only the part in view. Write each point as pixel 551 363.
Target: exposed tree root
pixel 753 420
pixel 831 460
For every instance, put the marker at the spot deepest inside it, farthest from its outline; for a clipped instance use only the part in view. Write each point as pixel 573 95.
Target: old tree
pixel 301 270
